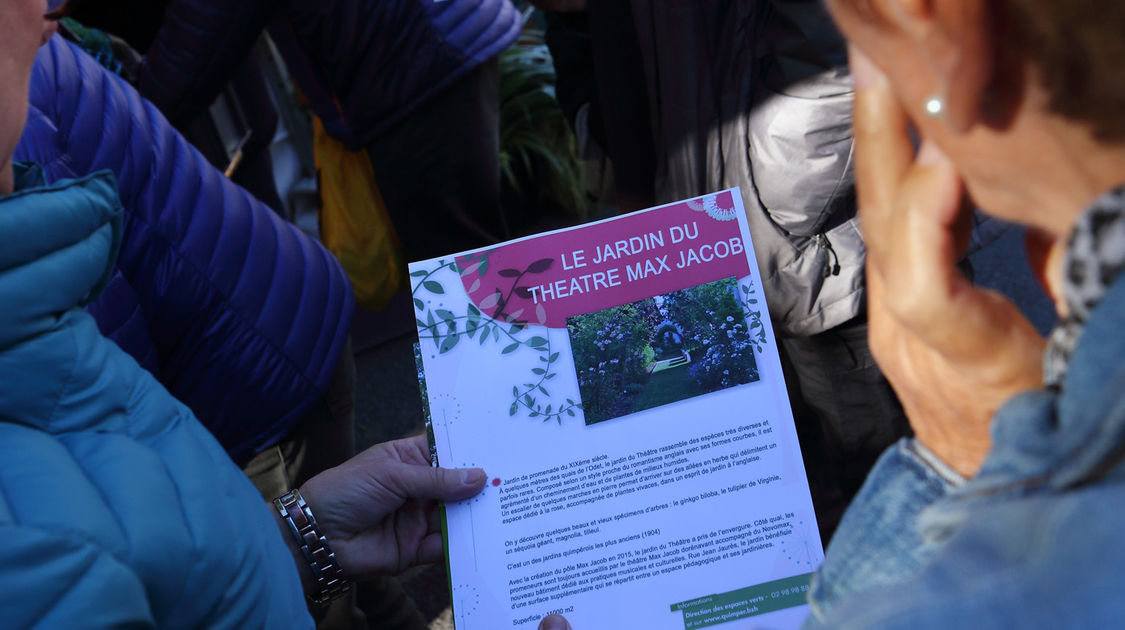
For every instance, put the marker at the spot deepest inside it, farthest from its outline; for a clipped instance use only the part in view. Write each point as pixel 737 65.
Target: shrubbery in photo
pixel 660 350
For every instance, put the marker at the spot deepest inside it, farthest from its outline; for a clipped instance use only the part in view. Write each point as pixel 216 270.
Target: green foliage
pixel 649 357
pixel 612 353
pixel 425 403
pixel 716 333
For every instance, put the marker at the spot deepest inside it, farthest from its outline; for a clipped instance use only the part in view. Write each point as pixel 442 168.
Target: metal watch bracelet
pixel 326 572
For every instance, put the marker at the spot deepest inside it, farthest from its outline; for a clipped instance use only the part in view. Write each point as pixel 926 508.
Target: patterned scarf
pixel 1095 257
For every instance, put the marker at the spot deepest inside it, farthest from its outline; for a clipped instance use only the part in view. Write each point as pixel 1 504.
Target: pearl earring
pixel 935 107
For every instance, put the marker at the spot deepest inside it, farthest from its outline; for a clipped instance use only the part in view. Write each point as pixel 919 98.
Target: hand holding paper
pixel 378 509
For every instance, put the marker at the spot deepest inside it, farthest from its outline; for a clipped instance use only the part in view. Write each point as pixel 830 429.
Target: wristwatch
pixel 326 572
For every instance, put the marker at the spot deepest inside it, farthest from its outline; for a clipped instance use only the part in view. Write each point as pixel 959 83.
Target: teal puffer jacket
pixel 117 508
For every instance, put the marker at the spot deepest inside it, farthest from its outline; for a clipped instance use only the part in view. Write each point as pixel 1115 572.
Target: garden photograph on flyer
pixel 620 384
pixel 662 349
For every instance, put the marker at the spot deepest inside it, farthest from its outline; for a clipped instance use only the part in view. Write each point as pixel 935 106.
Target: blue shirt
pixel 1033 541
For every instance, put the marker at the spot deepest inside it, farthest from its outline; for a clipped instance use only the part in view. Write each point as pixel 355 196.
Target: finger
pixel 1045 252
pixel 884 330
pixel 431 549
pixel 434 518
pixel 877 315
pixel 421 481
pixel 930 217
pixel 883 150
pixel 963 227
pixel 412 450
pixel 921 264
pixel 554 622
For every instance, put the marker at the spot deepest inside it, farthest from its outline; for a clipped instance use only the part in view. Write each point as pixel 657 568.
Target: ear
pixel 955 38
pixel 963 49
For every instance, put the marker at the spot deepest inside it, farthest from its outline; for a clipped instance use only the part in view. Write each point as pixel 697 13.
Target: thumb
pixel 419 481
pixel 554 622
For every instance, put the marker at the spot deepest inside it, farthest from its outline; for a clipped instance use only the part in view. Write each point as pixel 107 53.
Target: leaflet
pixel 619 382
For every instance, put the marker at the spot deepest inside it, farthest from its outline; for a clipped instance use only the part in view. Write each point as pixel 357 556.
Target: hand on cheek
pixel 954 353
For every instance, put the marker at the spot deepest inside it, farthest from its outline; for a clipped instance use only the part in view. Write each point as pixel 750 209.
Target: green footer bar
pixel 746 602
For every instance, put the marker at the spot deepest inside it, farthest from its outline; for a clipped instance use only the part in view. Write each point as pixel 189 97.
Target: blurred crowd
pixel 177 386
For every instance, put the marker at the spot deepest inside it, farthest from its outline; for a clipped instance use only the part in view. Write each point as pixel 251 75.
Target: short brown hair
pixel 1079 48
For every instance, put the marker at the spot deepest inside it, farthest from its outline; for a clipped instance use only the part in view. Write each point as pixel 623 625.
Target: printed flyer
pixel 619 382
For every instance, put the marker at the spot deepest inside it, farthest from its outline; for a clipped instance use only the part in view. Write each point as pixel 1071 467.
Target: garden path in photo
pixel 668 386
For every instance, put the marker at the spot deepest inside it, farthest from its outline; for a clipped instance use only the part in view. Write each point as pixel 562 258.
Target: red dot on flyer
pixel 496 481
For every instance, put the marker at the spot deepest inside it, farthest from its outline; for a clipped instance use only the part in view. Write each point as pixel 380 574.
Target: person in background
pixel 1006 509
pixel 119 508
pixel 598 65
pixel 704 95
pixel 415 83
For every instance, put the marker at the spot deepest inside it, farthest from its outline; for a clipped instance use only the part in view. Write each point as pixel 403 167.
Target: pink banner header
pixel 546 279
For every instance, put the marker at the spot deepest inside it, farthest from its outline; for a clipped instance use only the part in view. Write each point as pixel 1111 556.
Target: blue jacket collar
pixel 58 243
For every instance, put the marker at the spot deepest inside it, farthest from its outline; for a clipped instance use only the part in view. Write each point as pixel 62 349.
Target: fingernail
pixel 472 476
pixel 864 72
pixel 554 622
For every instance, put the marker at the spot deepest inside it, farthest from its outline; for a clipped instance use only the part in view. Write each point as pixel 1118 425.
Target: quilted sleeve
pixel 247 314
pixel 479 29
pixel 199 46
pixel 51 581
